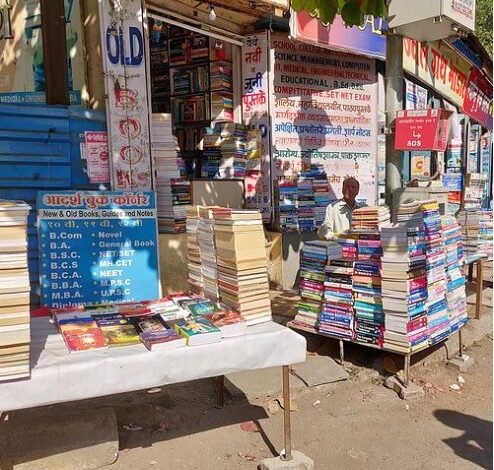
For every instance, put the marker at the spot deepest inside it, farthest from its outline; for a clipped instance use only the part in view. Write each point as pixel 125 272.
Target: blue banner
pixel 97 247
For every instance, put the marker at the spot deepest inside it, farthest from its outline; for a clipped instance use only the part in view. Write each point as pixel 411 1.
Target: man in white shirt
pixel 339 214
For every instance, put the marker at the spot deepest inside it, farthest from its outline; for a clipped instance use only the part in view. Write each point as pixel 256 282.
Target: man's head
pixel 350 190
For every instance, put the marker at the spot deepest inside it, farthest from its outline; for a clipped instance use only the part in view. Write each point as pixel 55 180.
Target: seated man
pixel 339 214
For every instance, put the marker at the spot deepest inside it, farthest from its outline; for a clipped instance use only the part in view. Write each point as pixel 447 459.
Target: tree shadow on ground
pixel 475 444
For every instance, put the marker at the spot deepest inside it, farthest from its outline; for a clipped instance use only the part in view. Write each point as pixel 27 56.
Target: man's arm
pixel 326 229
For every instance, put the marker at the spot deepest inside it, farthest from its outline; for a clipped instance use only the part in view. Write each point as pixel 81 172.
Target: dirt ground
pixel 349 425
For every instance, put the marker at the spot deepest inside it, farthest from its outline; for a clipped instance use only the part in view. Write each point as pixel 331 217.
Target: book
pixel 198 331
pixel 156 334
pixel 82 336
pixel 119 334
pixel 230 322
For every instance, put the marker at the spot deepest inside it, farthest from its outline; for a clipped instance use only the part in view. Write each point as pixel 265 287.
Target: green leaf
pixel 352 14
pixel 376 8
pixel 327 10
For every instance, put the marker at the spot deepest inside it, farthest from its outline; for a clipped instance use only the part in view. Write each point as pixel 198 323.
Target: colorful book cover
pixel 191 326
pixel 120 335
pixel 82 336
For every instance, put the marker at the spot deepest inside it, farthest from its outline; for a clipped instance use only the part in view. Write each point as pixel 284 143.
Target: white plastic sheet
pixel 58 376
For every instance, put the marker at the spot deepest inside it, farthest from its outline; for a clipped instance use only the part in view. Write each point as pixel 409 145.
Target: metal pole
pixel 220 391
pixel 460 344
pixel 478 296
pixel 407 369
pixel 287 430
pixel 393 82
pixel 342 353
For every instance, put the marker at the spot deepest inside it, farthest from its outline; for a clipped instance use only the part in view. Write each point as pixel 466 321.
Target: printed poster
pixel 420 165
pixel 255 114
pixel 127 103
pixel 96 152
pixel 415 96
pixel 324 112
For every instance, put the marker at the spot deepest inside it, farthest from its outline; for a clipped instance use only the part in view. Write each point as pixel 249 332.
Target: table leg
pixel 220 391
pixel 406 360
pixel 470 272
pixel 287 430
pixel 460 344
pixel 480 283
pixel 342 353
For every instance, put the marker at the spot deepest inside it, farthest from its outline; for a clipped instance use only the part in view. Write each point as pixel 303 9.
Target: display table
pixel 58 376
pixel 478 260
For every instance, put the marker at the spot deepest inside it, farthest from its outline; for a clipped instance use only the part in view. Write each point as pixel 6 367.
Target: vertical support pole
pixel 220 391
pixel 393 82
pixel 342 353
pixel 407 369
pixel 480 284
pixel 460 344
pixel 55 51
pixel 287 430
pixel 470 272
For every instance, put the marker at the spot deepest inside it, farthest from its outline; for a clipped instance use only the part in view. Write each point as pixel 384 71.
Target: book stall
pixel 394 287
pixel 99 342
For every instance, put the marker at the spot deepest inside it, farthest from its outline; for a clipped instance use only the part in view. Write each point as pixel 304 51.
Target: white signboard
pixel 127 104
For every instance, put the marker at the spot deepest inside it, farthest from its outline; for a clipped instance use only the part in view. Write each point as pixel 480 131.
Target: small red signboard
pixel 422 129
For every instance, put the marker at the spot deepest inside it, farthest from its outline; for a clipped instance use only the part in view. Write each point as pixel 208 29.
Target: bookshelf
pixel 191 78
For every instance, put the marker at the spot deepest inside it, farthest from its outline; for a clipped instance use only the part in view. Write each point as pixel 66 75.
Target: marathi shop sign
pixel 367 39
pixel 478 99
pixel 97 247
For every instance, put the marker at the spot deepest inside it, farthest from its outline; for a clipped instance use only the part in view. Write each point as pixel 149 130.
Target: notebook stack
pixel 287 213
pixel 207 247
pixel 322 195
pixel 370 218
pixel 14 291
pixel 233 151
pixel 456 294
pixel 313 260
pixel 211 152
pixel 404 287
pixel 193 251
pixel 437 306
pixel 242 265
pixel 369 315
pixel 172 192
pixel 337 314
pixel 305 203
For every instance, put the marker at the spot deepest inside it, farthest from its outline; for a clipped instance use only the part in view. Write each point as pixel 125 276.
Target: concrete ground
pixel 353 424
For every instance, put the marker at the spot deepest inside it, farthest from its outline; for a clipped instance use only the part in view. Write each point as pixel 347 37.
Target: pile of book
pixel 221 107
pixel 306 206
pixel 437 306
pixel 473 192
pixel 195 279
pixel 286 209
pixel 221 76
pixel 207 247
pixel 348 243
pixel 211 152
pixel 194 80
pixel 191 108
pixel 172 192
pixel 404 287
pixel 337 313
pixel 476 227
pixel 370 218
pixel 14 291
pixel 242 264
pixel 456 294
pixel 313 259
pixel 233 151
pixel 167 323
pixel 322 194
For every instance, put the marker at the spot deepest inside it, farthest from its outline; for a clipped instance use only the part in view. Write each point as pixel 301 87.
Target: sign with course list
pixel 97 247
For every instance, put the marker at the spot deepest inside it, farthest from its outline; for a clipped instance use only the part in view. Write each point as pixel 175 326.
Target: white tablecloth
pixel 58 376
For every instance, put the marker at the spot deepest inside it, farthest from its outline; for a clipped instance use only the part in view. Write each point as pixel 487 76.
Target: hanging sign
pixel 96 156
pixel 97 247
pixel 478 99
pixel 422 130
pixel 127 106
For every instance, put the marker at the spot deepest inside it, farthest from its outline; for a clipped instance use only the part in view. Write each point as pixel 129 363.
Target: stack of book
pixel 233 151
pixel 476 226
pixel 242 265
pixel 195 279
pixel 473 193
pixel 14 291
pixel 313 260
pixel 370 218
pixel 198 49
pixel 305 203
pixel 404 287
pixel 348 243
pixel 456 294
pixel 191 108
pixel 221 107
pixel 211 153
pixel 437 306
pixel 221 76
pixel 286 209
pixel 337 315
pixel 369 315
pixel 194 80
pixel 207 247
pixel 322 195
pixel 172 192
